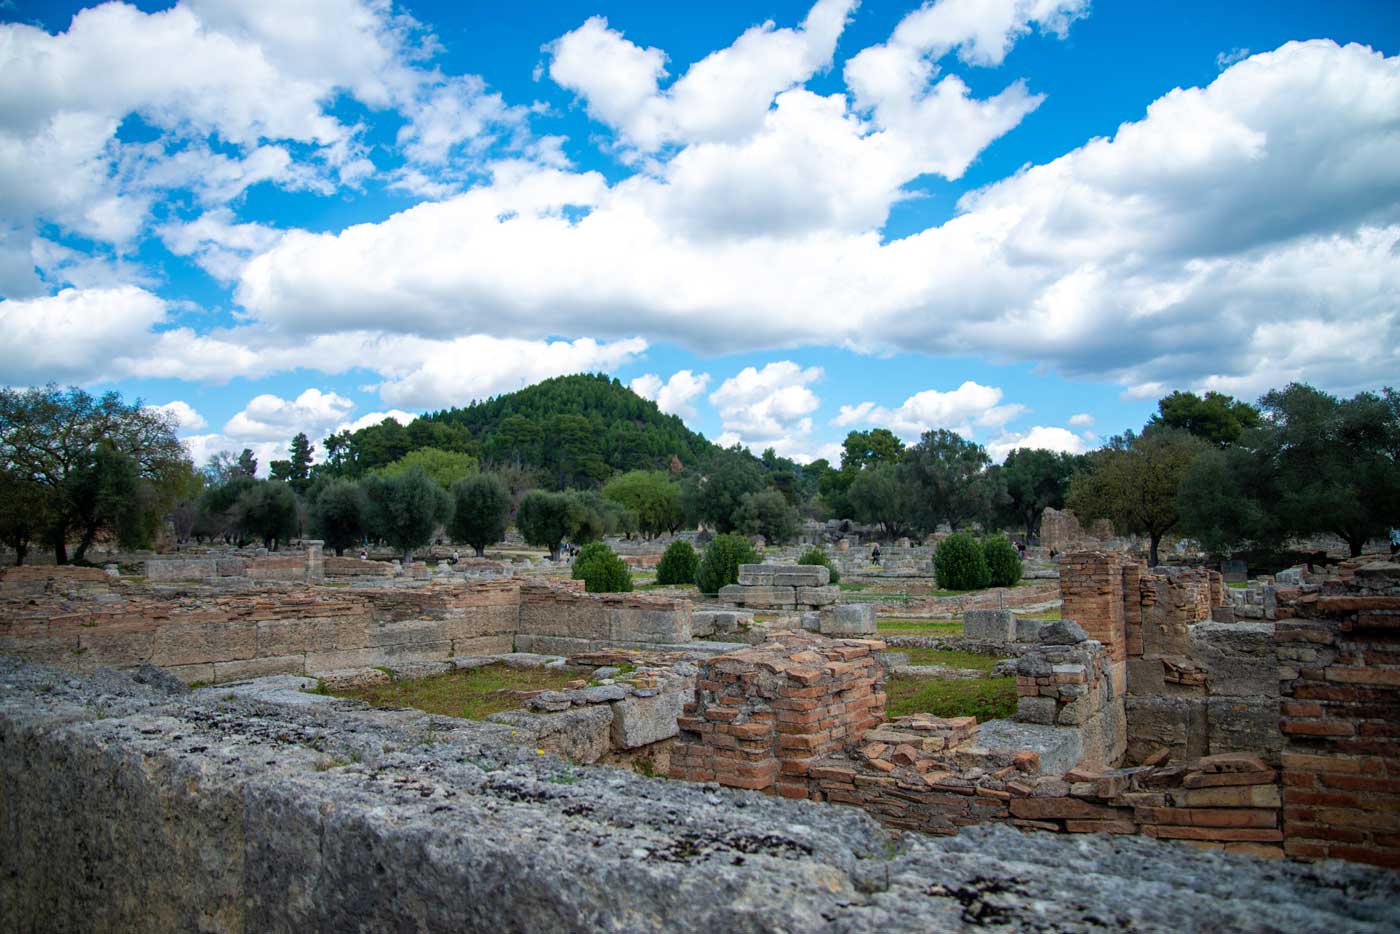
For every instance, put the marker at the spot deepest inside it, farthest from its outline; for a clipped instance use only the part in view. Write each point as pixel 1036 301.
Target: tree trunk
pixel 59 538
pixel 339 551
pixel 1356 546
pixel 21 549
pixel 407 557
pixel 480 550
pixel 1155 539
pixel 89 534
pixel 554 551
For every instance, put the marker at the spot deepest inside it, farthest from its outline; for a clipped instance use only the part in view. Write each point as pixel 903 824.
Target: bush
pixel 601 571
pixel 817 556
pixel 960 563
pixel 678 564
pixel 720 566
pixel 1003 561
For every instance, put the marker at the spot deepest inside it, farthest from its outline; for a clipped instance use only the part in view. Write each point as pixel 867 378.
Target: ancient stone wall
pixel 559 618
pixel 1061 531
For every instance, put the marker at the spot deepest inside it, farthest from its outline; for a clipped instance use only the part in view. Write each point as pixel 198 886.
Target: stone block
pixel 784 575
pixel 1239 658
pixel 121 648
pixel 639 721
pixel 407 632
pixel 760 597
pixel 1062 632
pixel 1028 630
pixel 1176 723
pixel 580 734
pixel 818 596
pixel 1145 676
pixel 193 643
pixel 259 667
pixel 1239 724
pixel 848 619
pixel 1036 710
pixel 991 625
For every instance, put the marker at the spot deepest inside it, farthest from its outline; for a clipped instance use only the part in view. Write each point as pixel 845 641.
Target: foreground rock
pixel 258 807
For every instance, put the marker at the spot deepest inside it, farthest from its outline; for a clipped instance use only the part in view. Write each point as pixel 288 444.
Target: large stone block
pixel 259 668
pixel 1239 658
pixel 760 597
pixel 581 734
pixel 638 721
pixel 1238 724
pixel 193 643
pixel 848 619
pixel 818 596
pixel 1155 722
pixel 633 624
pixel 784 575
pixel 992 625
pixel 1028 630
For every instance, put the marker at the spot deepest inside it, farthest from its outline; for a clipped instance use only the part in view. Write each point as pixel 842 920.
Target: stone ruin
pixel 803 596
pixel 260 805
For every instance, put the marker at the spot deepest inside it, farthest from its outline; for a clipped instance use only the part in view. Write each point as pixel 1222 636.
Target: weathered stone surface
pixel 761 597
pixel 784 575
pixel 1239 658
pixel 276 810
pixel 579 734
pixel 1243 724
pixel 638 721
pixel 848 619
pixel 1028 630
pixel 1062 632
pixel 995 625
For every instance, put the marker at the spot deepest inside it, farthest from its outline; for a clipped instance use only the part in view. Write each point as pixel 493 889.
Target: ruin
pixel 1153 710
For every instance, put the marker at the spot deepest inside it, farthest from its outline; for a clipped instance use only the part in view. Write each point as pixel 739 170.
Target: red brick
pixel 1222 834
pixel 1317 728
pixel 1386 676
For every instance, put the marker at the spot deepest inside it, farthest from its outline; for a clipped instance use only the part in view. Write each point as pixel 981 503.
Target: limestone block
pixel 1062 632
pixel 288 636
pixel 1145 676
pixel 1239 658
pixel 784 575
pixel 1238 724
pixel 848 619
pixel 632 624
pixel 192 643
pixel 478 621
pixel 759 597
pixel 409 631
pixel 1036 710
pixel 259 667
pixel 637 721
pixel 1028 630
pixel 580 734
pixel 717 622
pixel 1177 723
pixel 818 596
pixel 992 625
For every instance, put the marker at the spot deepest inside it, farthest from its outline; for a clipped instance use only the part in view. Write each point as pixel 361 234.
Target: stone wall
pixel 761 716
pixel 1060 530
pixel 559 618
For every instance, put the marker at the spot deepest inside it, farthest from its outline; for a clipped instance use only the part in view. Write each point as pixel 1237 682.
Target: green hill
pixel 580 429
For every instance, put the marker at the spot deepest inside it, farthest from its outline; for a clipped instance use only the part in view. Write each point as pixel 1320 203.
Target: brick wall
pixel 762 716
pixel 1339 648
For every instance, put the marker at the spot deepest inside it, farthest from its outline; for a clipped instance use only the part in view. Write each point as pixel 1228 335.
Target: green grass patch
pixel 919 627
pixel 691 588
pixel 1237 585
pixel 985 698
pixel 474 694
pixel 947 658
pixel 851 588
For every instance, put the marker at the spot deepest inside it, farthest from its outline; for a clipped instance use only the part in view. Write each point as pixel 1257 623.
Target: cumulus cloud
pixel 770 407
pixel 268 417
pixel 1040 436
pixel 374 418
pixel 964 409
pixel 1081 420
pixel 674 394
pixel 71 336
pixel 182 415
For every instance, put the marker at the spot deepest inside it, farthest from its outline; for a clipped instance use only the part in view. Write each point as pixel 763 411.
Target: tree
pixel 1003 561
pixel 865 449
pixel 247 463
pixel 296 470
pixel 767 513
pixel 948 479
pixel 24 513
pixel 340 514
pixel 720 565
pixel 85 452
pixel 817 556
pixel 1218 418
pixel 877 496
pixel 1036 480
pixel 678 564
pixel 959 563
pixel 405 510
pixel 215 516
pixel 268 510
pixel 652 495
pixel 601 571
pixel 482 511
pixel 731 478
pixel 545 519
pixel 445 467
pixel 1136 487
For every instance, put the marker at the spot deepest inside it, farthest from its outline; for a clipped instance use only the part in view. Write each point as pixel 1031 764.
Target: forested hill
pixel 579 428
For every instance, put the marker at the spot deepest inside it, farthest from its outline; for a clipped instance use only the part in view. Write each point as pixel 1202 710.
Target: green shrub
pixel 678 564
pixel 817 556
pixel 1003 561
pixel 720 566
pixel 960 563
pixel 601 571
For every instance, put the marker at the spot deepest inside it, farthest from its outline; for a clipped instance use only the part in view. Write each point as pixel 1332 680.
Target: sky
pixel 1021 220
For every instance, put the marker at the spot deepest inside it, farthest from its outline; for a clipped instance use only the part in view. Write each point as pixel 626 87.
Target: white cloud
pixel 182 414
pixel 770 407
pixel 1049 438
pixel 374 418
pixel 268 417
pixel 964 409
pixel 1081 420
pixel 219 244
pixel 72 335
pixel 723 97
pixel 674 394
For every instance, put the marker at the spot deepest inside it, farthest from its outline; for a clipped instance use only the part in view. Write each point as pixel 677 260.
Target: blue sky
pixel 1024 220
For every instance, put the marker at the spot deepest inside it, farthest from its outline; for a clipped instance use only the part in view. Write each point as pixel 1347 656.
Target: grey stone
pixel 1035 710
pixel 640 721
pixel 1239 658
pixel 995 625
pixel 607 671
pixel 848 619
pixel 601 694
pixel 784 575
pixel 261 814
pixel 1243 724
pixel 1059 747
pixel 1028 630
pixel 579 734
pixel 530 660
pixel 1062 632
pixel 550 702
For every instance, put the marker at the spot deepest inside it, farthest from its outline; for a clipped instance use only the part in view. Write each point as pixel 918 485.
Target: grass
pixel 652 585
pixel 919 627
pixel 474 694
pixel 1237 585
pixel 947 658
pixel 985 698
pixel 852 588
